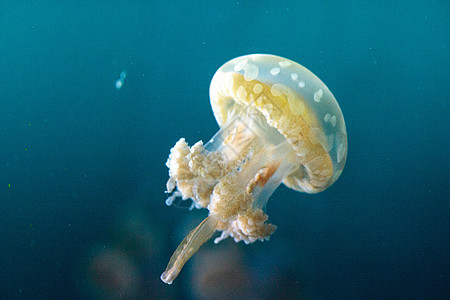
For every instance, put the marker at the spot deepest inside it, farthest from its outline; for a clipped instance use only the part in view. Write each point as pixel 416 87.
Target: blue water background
pixel 80 159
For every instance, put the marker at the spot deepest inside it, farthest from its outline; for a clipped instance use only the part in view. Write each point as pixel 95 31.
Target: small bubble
pixel 119 84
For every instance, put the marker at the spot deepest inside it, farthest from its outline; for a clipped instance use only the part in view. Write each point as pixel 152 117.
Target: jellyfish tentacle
pixel 188 247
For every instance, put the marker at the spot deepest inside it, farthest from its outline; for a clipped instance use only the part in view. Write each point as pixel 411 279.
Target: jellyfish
pixel 279 123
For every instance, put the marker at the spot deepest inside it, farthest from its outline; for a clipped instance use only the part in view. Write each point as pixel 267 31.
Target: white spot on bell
pixel 333 121
pixel 257 88
pixel 340 152
pixel 251 71
pixel 275 71
pixel 318 95
pixel 285 63
pixel 242 93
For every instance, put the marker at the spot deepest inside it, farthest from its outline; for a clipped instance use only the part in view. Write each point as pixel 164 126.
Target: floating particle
pixel 121 80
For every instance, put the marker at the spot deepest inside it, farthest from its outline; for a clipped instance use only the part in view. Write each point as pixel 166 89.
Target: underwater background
pixel 93 94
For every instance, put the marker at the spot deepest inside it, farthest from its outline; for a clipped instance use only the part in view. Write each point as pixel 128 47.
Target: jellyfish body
pixel 278 124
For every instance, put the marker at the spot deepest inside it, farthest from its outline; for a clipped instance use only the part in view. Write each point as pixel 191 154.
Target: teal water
pixel 82 174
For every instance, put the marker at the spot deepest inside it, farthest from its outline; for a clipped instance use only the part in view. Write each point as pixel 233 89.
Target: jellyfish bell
pixel 278 124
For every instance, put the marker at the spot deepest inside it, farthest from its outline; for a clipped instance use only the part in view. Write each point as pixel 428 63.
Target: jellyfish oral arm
pixel 233 175
pixel 188 247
